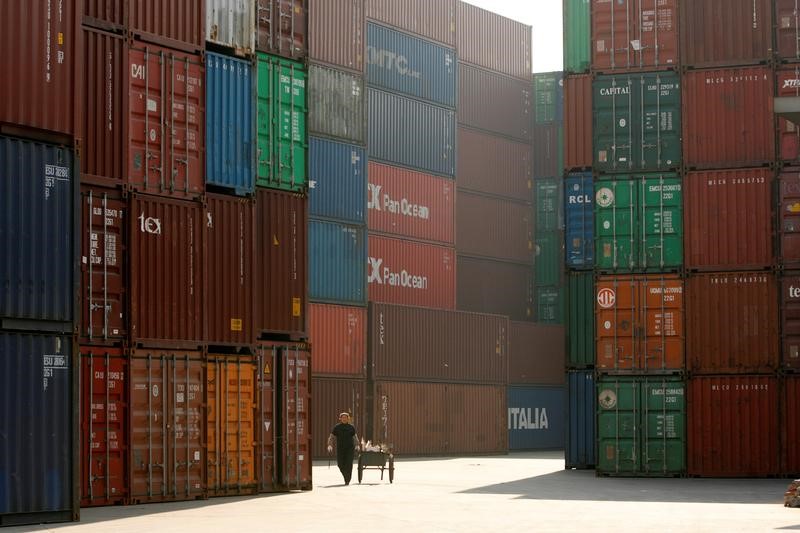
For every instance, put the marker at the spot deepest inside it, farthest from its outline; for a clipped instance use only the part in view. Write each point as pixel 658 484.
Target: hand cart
pixel 376 461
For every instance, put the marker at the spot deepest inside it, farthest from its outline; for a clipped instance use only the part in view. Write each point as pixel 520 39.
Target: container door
pixel 660 325
pixel 266 423
pixel 617 426
pixel 660 222
pixel 617 321
pixel 614 137
pixel 663 426
pixel 616 216
pixel 148 433
pixel 296 423
pixel 188 474
pixel 660 122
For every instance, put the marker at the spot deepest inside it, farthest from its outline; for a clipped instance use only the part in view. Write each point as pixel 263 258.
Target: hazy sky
pixel 545 17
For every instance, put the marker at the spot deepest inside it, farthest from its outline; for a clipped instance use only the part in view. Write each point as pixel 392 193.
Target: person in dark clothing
pixel 346 445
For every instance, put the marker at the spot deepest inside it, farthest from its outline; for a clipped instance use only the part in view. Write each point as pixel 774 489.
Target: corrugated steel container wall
pixel 732 323
pixel 411 133
pixel 411 273
pixel 339 337
pixel 579 220
pixel 790 320
pixel 180 24
pixel 578 117
pixel 495 103
pixel 329 397
pixel 282 28
pixel 788 85
pixel 337 33
pixel 337 106
pixel 37 443
pixel 789 217
pixel 548 125
pixel 415 343
pixel 508 162
pixel 790 426
pixel 337 181
pixel 726 32
pixel 232 23
pixel 411 204
pixel 490 227
pixel 230 96
pixel 729 219
pixel 535 354
pixel 728 117
pixel 548 205
pixel 497 287
pixel 536 418
pixel 337 260
pixel 404 64
pixel 580 320
pixel 433 20
pixel 42 92
pixel 493 42
pixel 550 304
pixel 38 191
pixel 166 271
pixel 577 35
pixel 579 449
pixel 787 28
pixel 733 426
pixel 549 257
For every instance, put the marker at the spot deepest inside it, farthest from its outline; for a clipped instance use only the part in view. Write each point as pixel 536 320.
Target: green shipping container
pixel 637 122
pixel 580 320
pixel 550 305
pixel 641 426
pixel 549 204
pixel 639 223
pixel 549 260
pixel 548 94
pixel 577 35
pixel 281 124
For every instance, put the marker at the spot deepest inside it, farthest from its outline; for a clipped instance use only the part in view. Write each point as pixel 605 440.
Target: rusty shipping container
pixel 732 323
pixel 728 117
pixel 789 217
pixel 231 24
pixel 578 118
pixel 790 320
pixel 493 42
pixel 282 28
pixel 790 426
pixel 536 354
pixel 788 85
pixel 729 219
pixel 495 103
pixel 330 397
pixel 508 162
pixel 339 336
pixel 787 28
pixel 732 426
pixel 489 227
pixel 432 20
pixel 497 287
pixel 337 33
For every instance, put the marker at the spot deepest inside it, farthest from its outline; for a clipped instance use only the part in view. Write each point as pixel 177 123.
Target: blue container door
pixel 535 418
pixel 338 181
pixel 337 255
pixel 581 403
pixel 579 212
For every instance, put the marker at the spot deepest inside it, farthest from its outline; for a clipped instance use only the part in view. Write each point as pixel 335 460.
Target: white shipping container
pixel 232 23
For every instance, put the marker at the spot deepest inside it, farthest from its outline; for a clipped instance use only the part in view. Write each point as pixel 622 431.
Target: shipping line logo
pixel 527 418
pixel 384 202
pixel 382 275
pixel 149 225
pixel 391 61
pixel 606 298
pixel 791 84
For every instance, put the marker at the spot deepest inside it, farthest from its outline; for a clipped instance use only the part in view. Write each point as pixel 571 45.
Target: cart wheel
pixel 360 470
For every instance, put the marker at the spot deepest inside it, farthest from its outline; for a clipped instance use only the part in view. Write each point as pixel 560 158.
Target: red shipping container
pixel 787 29
pixel 732 323
pixel 490 227
pixel 536 354
pixel 337 33
pixel 577 122
pixel 788 85
pixel 339 337
pixel 282 28
pixel 508 162
pixel 640 323
pixel 729 219
pixel 497 287
pixel 166 272
pixel 104 442
pixel 330 397
pixel 410 204
pixel 790 425
pixel 148 130
pixel 790 320
pixel 495 103
pixel 433 20
pixel 728 119
pixel 789 217
pixel 732 426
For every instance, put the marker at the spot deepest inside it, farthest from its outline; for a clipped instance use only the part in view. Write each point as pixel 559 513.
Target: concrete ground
pixel 519 492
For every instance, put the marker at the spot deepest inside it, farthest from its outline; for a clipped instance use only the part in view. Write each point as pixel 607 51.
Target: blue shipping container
pixel 579 452
pixel 37 443
pixel 401 63
pixel 579 214
pixel 230 155
pixel 337 181
pixel 38 200
pixel 535 418
pixel 337 263
pixel 412 134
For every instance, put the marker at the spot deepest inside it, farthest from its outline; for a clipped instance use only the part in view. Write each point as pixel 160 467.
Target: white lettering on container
pixel 527 418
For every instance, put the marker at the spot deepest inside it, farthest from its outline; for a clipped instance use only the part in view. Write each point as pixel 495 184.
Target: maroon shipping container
pixel 330 397
pixel 493 42
pixel 495 103
pixel 230 260
pixel 732 323
pixel 790 320
pixel 166 272
pixel 148 125
pixel 788 85
pixel 787 27
pixel 729 219
pixel 411 204
pixel 282 28
pixel 411 273
pixel 433 20
pixel 40 40
pixel 339 337
pixel 789 217
pixel 489 227
pixel 728 117
pixel 577 122
pixel 439 418
pixel 790 426
pixel 732 426
pixel 497 287
pixel 337 33
pixel 536 354
pixel 726 32
pixel 494 165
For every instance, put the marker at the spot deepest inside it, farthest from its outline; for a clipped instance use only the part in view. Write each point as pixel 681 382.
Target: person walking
pixel 346 445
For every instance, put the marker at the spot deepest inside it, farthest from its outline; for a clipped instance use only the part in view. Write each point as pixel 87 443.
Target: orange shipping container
pixel 339 337
pixel 578 122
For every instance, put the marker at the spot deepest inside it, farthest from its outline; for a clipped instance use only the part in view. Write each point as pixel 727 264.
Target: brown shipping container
pixel 433 20
pixel 329 398
pixel 167 426
pixel 230 260
pixel 439 418
pixel 282 28
pixel 788 85
pixel 577 122
pixel 415 343
pixel 728 117
pixel 790 320
pixel 410 204
pixel 493 42
pixel 729 219
pixel 497 287
pixel 789 217
pixel 337 33
pixel 40 41
pixel 339 337
pixel 508 162
pixel 732 323
pixel 732 426
pixel 281 263
pixel 787 29
pixel 790 425
pixel 495 103
pixel 489 227
pixel 536 354
pixel 725 32
pixel 148 130
pixel 166 272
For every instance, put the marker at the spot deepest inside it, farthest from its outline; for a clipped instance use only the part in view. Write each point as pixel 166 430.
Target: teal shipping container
pixel 337 255
pixel 337 181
